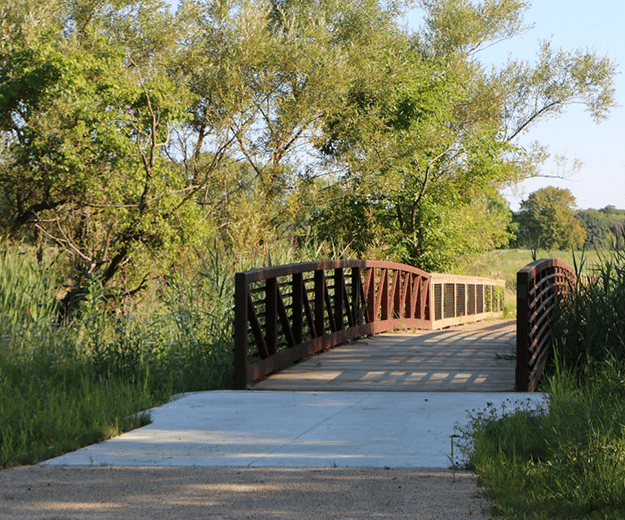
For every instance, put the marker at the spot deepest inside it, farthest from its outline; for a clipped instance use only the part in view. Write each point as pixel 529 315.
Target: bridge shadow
pixel 472 358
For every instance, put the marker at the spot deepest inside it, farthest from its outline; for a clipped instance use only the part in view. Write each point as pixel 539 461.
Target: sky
pixel 574 24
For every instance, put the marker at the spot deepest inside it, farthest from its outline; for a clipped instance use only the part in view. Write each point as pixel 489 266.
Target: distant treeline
pixel 602 229
pixel 602 226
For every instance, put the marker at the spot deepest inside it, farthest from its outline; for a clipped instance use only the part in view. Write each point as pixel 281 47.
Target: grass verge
pixel 565 460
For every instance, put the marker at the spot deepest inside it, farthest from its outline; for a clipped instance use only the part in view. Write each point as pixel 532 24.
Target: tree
pixel 547 220
pixel 265 76
pixel 433 133
pixel 86 112
pixel 596 227
pixel 128 132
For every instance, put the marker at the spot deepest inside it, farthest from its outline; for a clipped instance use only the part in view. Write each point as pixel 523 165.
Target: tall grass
pixel 64 385
pixel 565 460
pixel 590 323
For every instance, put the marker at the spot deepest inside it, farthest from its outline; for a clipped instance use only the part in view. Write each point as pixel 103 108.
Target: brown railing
pixel 286 313
pixel 539 284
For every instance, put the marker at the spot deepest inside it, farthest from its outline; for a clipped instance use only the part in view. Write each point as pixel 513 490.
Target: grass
pixel 565 460
pixel 67 385
pixel 505 263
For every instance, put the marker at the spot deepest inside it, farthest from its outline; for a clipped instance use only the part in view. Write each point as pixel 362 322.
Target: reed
pixel 97 373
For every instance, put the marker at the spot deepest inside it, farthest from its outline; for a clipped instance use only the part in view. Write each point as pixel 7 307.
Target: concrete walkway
pixel 298 429
pixel 323 427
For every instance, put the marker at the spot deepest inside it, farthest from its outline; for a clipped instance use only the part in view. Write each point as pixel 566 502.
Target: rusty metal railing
pixel 286 313
pixel 539 285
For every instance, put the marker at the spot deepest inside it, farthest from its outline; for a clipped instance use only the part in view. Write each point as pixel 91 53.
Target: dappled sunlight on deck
pixel 471 358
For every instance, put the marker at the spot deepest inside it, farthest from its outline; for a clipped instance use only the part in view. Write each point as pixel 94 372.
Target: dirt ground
pixel 85 493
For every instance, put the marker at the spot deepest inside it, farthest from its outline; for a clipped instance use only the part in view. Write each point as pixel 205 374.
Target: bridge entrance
pixel 470 358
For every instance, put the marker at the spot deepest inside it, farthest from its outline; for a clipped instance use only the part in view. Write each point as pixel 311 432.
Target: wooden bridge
pixel 468 358
pixel 286 315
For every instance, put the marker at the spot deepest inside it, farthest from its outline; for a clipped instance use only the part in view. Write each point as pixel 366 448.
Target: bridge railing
pixel 286 313
pixel 539 285
pixel 457 300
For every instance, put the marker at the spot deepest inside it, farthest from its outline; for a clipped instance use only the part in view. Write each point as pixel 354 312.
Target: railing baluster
pixel 320 290
pixel 271 315
pixel 370 295
pixel 382 303
pixel 356 288
pixel 297 288
pixel 339 284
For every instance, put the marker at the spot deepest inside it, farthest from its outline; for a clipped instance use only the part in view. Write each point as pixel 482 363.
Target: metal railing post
pixel 241 342
pixel 522 373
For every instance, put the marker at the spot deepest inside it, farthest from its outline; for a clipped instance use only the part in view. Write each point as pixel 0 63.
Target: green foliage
pixel 85 119
pixel 92 376
pixel 566 459
pixel 589 322
pixel 603 227
pixel 27 300
pixel 129 133
pixel 547 220
pixel 563 460
pixel 597 230
pixel 66 385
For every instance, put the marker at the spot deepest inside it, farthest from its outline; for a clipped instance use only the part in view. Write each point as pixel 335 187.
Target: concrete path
pixel 471 358
pixel 298 429
pixel 367 426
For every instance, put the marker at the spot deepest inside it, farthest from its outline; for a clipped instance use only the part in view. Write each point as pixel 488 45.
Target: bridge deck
pixel 471 358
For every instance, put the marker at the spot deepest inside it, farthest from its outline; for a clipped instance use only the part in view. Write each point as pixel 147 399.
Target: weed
pixel 506 357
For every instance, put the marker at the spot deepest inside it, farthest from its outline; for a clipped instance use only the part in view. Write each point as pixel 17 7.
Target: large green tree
pixel 547 220
pixel 128 132
pixel 433 133
pixel 88 102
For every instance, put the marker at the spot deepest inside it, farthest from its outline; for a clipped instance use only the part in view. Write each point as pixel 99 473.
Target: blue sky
pixel 573 24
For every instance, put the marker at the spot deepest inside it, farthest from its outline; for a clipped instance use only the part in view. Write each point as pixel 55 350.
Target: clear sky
pixel 574 24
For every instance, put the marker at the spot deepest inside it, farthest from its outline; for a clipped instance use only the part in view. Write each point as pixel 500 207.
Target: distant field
pixel 504 264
